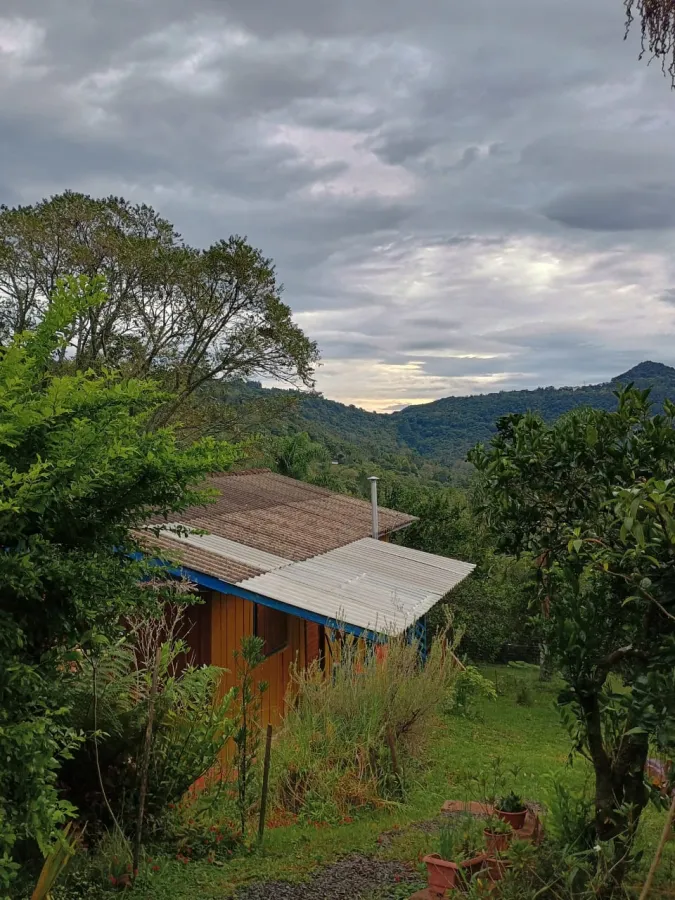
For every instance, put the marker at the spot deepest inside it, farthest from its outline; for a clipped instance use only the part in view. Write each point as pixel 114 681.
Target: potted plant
pixel 498 834
pixel 512 810
pixel 461 855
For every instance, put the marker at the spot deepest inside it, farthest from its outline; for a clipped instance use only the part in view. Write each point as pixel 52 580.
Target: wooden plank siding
pixel 314 643
pixel 232 619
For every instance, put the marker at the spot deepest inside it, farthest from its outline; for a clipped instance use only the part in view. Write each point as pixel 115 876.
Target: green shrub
pixel 491 782
pixel 542 872
pixel 570 820
pixel 109 696
pixel 334 754
pixel 495 825
pixel 79 470
pixel 511 803
pixel 107 871
pixel 468 688
pixel 204 827
pixel 492 608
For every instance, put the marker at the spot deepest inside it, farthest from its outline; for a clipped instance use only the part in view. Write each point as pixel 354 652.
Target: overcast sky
pixel 460 195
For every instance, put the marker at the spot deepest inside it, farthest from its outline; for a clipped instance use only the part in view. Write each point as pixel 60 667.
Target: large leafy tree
pixel 589 500
pixel 79 470
pixel 184 315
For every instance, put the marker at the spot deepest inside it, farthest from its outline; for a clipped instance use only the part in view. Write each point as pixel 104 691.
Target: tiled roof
pixel 284 517
pixel 213 564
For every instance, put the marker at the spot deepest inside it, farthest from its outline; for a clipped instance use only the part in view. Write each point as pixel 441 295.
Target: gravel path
pixel 429 826
pixel 349 879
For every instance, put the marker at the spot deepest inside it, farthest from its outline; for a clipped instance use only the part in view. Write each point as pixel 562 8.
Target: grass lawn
pixel 527 735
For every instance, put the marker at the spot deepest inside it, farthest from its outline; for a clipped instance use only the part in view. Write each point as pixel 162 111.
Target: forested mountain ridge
pixel 444 430
pixel 447 428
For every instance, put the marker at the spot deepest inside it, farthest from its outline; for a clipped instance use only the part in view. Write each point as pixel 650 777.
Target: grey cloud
pixel 470 155
pixel 427 323
pixel 400 148
pixel 484 177
pixel 619 209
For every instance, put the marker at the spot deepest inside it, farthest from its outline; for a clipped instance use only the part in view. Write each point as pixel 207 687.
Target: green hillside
pixel 444 430
pixel 447 428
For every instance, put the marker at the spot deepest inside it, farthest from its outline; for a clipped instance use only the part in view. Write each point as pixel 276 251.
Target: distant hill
pixel 447 428
pixel 444 430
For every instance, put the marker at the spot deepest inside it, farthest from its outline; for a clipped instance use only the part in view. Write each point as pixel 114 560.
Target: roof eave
pixel 224 587
pixel 397 528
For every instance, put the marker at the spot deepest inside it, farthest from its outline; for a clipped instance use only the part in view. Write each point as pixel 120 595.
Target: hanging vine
pixel 657 31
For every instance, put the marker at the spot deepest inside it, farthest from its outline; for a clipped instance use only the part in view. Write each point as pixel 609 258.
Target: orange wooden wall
pixel 231 619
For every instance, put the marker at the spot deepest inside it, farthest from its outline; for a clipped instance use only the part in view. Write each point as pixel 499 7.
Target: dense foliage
pixel 491 608
pixel 109 695
pixel 79 469
pixel 589 500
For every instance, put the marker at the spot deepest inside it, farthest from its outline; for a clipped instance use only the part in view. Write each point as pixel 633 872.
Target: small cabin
pixel 295 564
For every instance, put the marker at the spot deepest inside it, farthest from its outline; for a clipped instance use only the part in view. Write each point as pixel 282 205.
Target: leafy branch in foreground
pixel 79 470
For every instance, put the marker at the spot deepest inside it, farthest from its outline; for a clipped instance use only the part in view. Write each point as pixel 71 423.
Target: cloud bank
pixel 459 197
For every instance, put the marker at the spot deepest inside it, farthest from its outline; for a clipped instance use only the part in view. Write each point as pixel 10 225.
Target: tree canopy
pixel 179 313
pixel 589 501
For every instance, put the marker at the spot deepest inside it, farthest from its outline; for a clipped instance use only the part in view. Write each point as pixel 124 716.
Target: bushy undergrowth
pixel 190 803
pixel 109 699
pixel 353 741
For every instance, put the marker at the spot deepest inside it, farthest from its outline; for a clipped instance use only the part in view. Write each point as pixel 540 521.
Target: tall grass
pixel 353 737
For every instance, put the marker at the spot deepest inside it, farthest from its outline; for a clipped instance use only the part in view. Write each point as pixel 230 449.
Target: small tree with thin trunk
pixel 582 498
pixel 248 694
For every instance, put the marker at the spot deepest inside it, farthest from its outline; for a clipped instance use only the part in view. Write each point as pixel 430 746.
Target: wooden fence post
pixel 265 784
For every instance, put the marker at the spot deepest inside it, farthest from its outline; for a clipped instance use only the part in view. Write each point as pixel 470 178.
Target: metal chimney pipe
pixel 373 499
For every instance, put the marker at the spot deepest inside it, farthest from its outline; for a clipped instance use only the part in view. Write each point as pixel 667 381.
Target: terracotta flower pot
pixel 515 819
pixel 496 869
pixel 497 843
pixel 443 875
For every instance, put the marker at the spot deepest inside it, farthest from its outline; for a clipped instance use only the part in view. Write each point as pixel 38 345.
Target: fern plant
pixel 109 699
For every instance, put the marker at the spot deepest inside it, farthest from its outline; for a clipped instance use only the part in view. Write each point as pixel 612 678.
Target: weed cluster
pixel 352 741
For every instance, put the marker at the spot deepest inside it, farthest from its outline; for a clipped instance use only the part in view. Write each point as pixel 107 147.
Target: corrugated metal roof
pixel 233 550
pixel 368 584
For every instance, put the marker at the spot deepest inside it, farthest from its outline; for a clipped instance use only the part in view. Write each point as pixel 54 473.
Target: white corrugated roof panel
pixel 259 559
pixel 368 584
